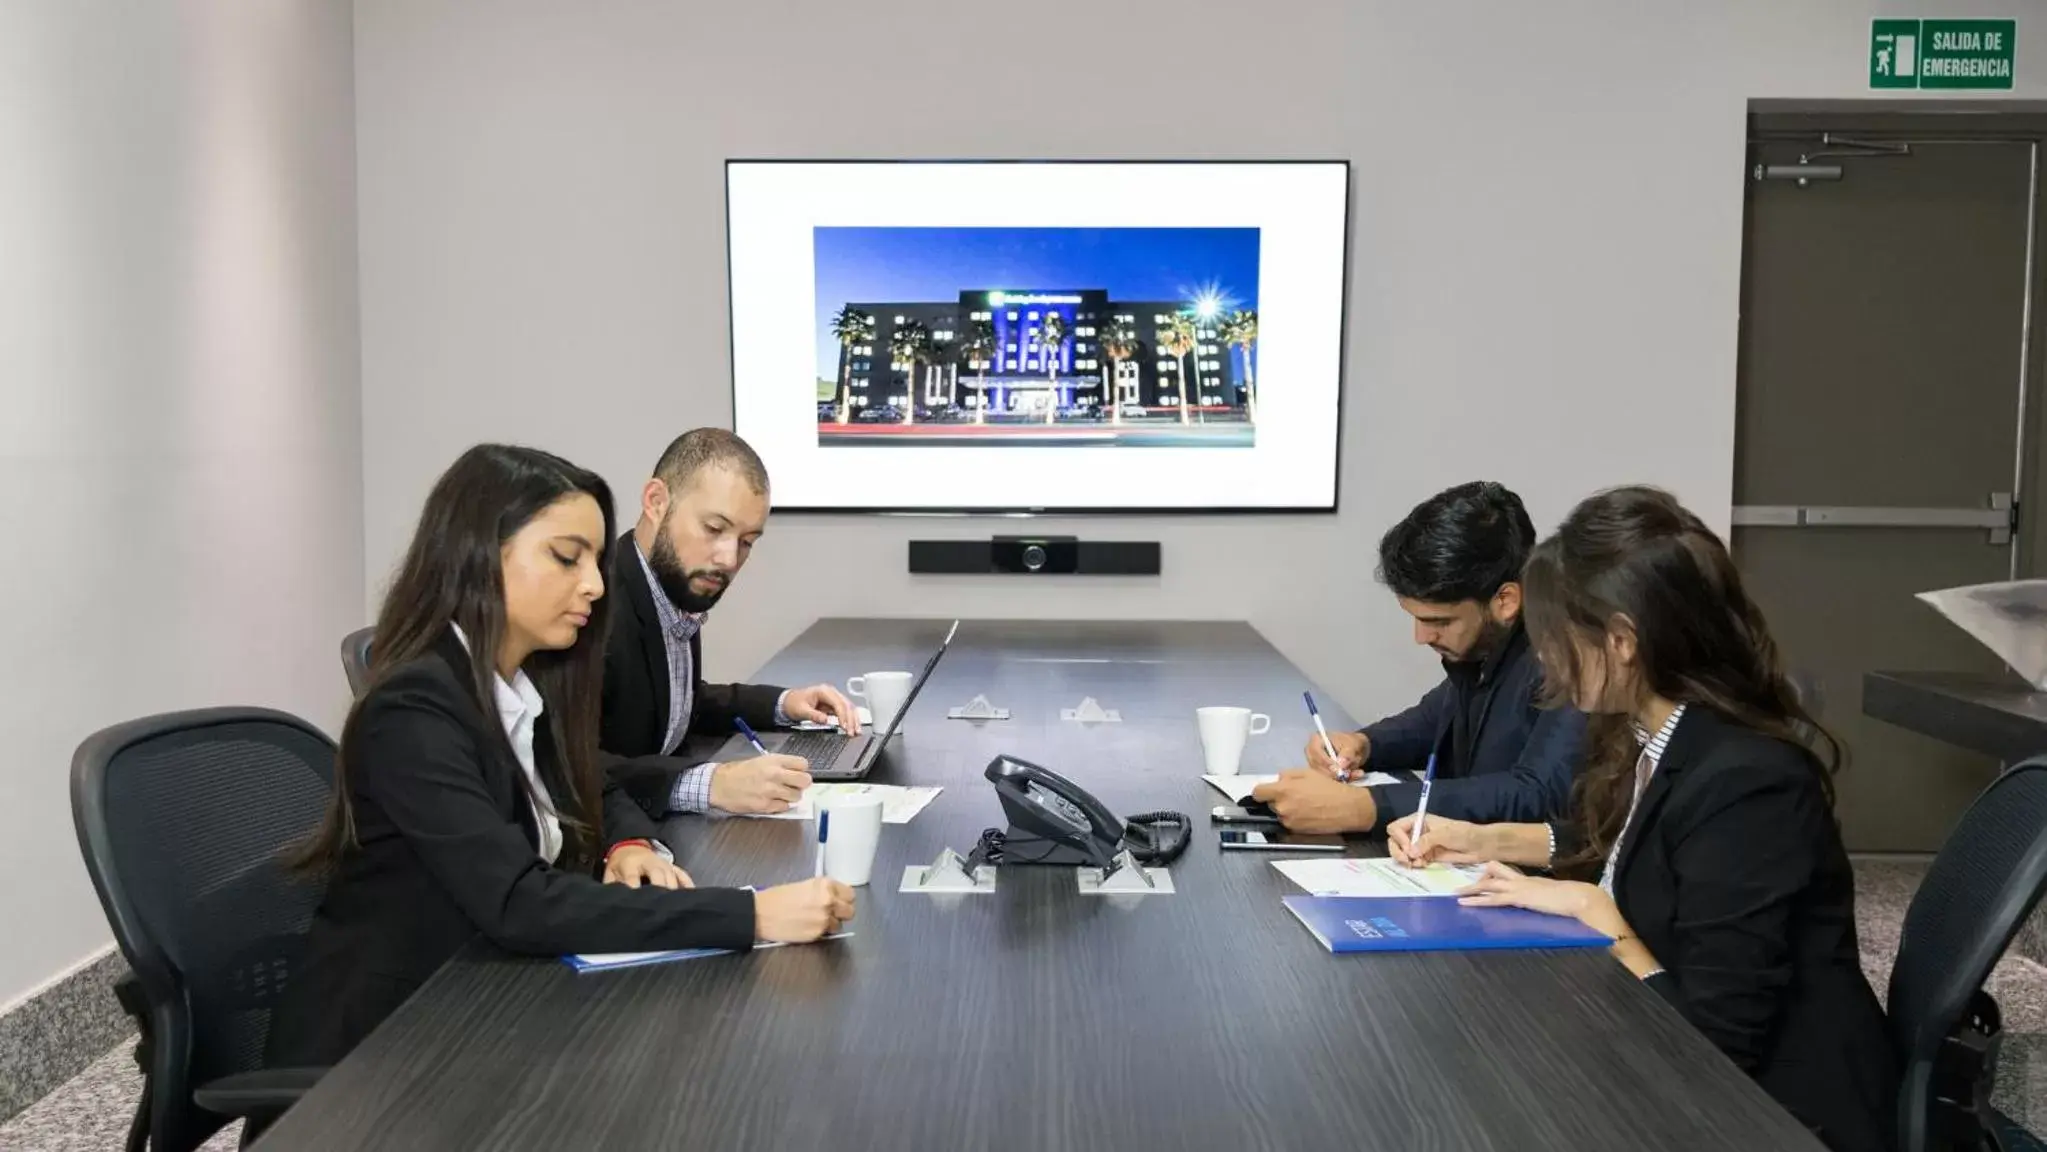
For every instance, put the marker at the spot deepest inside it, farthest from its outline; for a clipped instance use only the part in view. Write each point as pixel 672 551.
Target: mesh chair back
pixel 355 659
pixel 183 820
pixel 1979 889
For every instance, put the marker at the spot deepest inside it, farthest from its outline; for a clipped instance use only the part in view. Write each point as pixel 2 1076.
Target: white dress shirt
pixel 1653 746
pixel 519 708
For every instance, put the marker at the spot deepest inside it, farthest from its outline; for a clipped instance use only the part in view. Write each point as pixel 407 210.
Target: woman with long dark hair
pixel 469 799
pixel 1703 808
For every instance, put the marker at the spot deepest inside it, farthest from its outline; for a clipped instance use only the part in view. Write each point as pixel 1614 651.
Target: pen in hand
pixel 824 824
pixel 1421 808
pixel 1335 761
pixel 747 731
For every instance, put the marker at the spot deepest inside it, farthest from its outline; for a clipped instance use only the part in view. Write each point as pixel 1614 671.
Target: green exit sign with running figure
pixel 1942 53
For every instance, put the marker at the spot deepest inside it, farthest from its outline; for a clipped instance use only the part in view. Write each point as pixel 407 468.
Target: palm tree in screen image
pixel 852 329
pixel 907 346
pixel 1119 343
pixel 942 365
pixel 1051 334
pixel 1240 328
pixel 1176 339
pixel 980 348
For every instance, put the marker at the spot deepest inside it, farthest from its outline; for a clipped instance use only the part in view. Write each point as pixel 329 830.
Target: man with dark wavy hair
pixel 1454 564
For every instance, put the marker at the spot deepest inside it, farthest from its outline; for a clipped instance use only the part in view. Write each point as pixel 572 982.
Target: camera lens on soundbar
pixel 1035 556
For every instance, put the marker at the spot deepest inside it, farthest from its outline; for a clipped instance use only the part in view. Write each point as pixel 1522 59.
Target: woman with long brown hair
pixel 469 799
pixel 1703 810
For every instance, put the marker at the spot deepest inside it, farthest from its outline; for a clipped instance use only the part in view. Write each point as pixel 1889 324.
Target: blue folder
pixel 1433 924
pixel 611 961
pixel 607 962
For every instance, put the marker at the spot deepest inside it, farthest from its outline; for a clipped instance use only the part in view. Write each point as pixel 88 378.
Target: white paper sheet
pixel 899 804
pixel 1239 787
pixel 2008 618
pixel 866 722
pixel 1377 877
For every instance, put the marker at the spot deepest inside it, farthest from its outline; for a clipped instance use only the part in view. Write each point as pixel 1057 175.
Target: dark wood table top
pixel 1037 1018
pixel 1997 714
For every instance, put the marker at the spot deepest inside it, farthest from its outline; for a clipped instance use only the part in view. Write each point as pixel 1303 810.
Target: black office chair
pixel 183 819
pixel 355 659
pixel 1980 888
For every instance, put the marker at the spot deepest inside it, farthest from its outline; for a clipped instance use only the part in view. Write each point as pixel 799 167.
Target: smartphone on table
pixel 1277 840
pixel 1249 812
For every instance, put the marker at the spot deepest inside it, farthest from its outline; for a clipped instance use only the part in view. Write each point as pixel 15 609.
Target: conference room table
pixel 1036 1017
pixel 1997 714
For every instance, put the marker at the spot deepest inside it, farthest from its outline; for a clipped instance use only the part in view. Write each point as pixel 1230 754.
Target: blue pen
pixel 824 824
pixel 1316 713
pixel 1421 809
pixel 746 730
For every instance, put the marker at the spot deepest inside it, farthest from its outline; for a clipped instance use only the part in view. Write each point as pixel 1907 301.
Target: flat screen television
pixel 1040 336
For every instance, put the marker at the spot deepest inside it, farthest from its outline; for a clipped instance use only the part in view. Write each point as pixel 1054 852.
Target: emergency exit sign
pixel 1942 53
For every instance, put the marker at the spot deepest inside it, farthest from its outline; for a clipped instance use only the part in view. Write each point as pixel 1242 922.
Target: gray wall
pixel 181 442
pixel 1545 269
pixel 1544 290
pixel 1545 258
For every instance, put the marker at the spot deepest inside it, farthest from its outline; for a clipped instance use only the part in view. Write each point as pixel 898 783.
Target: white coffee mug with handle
pixel 852 835
pixel 884 692
pixel 1223 733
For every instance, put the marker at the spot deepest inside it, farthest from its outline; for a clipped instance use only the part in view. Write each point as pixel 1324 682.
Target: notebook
pixel 1431 924
pixel 1239 787
pixel 1378 876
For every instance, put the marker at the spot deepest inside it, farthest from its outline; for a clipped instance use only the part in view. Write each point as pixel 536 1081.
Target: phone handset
pixel 1047 809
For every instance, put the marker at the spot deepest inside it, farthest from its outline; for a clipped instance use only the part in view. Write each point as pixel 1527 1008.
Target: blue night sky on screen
pixel 907 265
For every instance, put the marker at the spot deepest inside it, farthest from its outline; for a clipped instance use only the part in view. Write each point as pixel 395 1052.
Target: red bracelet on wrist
pixel 613 851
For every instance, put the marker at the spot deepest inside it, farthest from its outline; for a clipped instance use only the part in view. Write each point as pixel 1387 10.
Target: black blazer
pixel 447 851
pixel 636 690
pixel 1734 877
pixel 1501 756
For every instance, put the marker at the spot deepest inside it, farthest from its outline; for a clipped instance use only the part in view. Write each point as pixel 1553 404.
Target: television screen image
pixel 1040 336
pixel 1088 337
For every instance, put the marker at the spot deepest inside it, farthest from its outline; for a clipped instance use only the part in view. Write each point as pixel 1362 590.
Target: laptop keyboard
pixel 820 748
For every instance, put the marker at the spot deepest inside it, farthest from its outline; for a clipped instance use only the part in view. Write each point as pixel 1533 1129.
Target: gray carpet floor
pixel 90 1112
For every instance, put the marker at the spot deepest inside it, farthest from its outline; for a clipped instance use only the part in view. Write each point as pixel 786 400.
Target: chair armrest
pixel 129 995
pixel 262 1094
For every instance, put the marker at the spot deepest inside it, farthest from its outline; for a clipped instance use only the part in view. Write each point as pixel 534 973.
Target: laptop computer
pixel 832 754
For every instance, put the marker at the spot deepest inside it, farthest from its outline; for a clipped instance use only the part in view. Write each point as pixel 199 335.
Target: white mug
pixel 884 693
pixel 851 837
pixel 1223 732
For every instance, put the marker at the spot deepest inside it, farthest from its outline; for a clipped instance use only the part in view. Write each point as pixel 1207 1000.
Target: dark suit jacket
pixel 1734 877
pixel 448 851
pixel 1500 756
pixel 636 690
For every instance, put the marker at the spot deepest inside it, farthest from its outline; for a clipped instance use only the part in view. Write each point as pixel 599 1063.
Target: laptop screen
pixel 917 686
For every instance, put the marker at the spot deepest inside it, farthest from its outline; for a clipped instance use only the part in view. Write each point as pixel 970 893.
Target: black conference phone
pixel 1052 820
